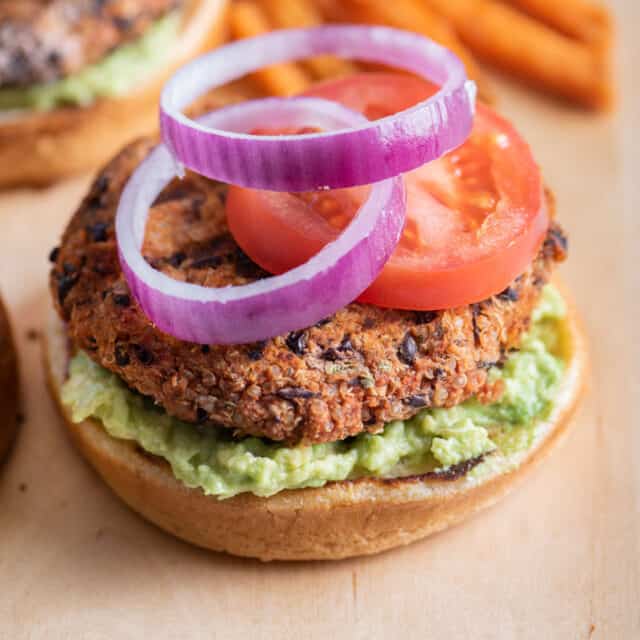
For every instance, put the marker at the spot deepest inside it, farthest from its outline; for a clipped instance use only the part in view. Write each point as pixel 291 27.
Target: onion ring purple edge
pixel 334 277
pixel 364 154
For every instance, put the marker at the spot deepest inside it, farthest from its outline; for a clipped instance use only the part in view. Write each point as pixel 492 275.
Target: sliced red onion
pixel 334 277
pixel 366 153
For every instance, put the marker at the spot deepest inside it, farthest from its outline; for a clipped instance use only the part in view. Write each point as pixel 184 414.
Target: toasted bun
pixel 339 520
pixel 8 386
pixel 39 148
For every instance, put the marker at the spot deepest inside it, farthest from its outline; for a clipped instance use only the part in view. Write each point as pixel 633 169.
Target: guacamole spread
pixel 433 440
pixel 115 75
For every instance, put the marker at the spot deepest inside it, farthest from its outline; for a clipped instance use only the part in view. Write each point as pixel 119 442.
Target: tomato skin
pixel 475 218
pixel 448 288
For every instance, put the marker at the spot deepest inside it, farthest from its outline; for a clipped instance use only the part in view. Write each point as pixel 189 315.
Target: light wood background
pixel 557 559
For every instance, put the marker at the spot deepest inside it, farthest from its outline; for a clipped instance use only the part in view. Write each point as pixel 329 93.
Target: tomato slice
pixel 475 218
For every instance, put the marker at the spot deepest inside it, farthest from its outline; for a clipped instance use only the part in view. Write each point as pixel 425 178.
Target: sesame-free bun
pixel 38 148
pixel 339 520
pixel 8 386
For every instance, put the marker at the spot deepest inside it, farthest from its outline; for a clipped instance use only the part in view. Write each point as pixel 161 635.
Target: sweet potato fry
pixel 518 44
pixel 246 19
pixel 303 13
pixel 415 15
pixel 331 10
pixel 580 19
pixel 232 93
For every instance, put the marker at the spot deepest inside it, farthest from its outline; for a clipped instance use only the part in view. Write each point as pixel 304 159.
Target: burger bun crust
pixel 8 386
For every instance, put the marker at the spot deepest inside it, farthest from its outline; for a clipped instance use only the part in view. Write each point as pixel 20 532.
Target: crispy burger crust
pixel 8 386
pixel 340 520
pixel 38 148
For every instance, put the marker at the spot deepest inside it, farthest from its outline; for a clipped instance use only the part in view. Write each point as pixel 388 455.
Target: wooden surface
pixel 558 559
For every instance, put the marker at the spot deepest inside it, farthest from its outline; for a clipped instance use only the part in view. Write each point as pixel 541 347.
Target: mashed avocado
pixel 434 439
pixel 115 75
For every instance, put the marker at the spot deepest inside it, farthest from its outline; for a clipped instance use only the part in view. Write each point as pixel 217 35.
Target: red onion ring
pixel 367 153
pixel 334 277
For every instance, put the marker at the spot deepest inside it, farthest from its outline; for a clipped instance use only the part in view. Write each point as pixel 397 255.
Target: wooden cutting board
pixel 559 558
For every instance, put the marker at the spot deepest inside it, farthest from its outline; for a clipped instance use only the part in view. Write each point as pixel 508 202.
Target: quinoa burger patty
pixel 350 373
pixel 44 40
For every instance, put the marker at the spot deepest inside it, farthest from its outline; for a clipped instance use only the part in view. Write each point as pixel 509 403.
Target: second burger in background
pixel 79 79
pixel 8 386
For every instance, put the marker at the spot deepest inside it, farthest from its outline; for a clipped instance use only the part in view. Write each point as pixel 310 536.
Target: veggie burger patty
pixel 350 373
pixel 44 40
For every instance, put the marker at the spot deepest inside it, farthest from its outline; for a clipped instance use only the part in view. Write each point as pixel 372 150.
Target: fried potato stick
pixel 415 15
pixel 518 44
pixel 586 21
pixel 303 13
pixel 246 19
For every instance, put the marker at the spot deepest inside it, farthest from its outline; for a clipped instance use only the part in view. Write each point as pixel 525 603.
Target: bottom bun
pixel 8 386
pixel 339 520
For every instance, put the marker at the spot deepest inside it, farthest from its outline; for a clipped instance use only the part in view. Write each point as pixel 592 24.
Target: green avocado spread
pixel 115 75
pixel 431 441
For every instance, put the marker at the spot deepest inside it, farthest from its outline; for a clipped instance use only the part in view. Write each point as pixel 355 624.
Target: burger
pixel 264 428
pixel 8 386
pixel 80 78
